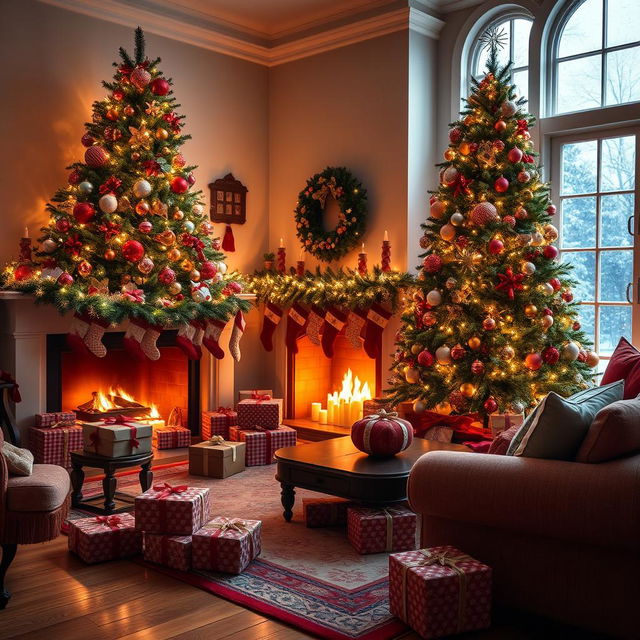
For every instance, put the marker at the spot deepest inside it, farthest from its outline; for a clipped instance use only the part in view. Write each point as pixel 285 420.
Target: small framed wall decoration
pixel 228 200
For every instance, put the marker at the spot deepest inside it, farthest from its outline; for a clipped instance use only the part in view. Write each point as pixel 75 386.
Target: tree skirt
pixel 310 578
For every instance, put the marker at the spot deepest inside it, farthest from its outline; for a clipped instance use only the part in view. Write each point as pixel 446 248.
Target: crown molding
pixel 233 40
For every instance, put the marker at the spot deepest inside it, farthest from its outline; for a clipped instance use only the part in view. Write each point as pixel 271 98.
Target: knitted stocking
pixel 333 322
pixel 77 332
pixel 133 338
pixel 184 340
pixel 314 322
pixel 355 321
pixel 236 334
pixel 212 336
pixel 199 326
pixel 296 319
pixel 93 339
pixel 377 319
pixel 148 345
pixel 272 316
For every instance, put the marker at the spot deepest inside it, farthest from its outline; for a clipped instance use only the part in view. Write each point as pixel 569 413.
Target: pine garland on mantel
pixel 344 288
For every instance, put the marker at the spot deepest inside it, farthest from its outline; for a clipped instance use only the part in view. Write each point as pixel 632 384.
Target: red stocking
pixel 314 324
pixel 333 322
pixel 133 338
pixel 355 323
pixel 296 320
pixel 198 336
pixel 272 316
pixel 377 319
pixel 77 332
pixel 212 337
pixel 184 340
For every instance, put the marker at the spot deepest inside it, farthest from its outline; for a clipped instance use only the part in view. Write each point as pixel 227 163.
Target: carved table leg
pixel 109 487
pixel 8 554
pixel 77 479
pixel 146 476
pixel 288 497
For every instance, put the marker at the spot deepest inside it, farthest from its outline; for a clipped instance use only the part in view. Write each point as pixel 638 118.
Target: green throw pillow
pixel 556 428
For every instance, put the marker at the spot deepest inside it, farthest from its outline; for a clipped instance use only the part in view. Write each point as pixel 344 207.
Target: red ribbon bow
pixel 260 397
pixel 14 392
pixel 126 70
pixel 510 282
pixel 173 120
pixel 227 411
pixel 166 490
pixel 135 295
pixel 110 229
pixel 460 186
pixel 111 185
pixel 73 245
pixel 151 167
pixel 523 127
pixel 191 241
pixel 110 521
pixel 122 420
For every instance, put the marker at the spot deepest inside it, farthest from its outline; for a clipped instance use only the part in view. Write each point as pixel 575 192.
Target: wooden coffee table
pixel 337 468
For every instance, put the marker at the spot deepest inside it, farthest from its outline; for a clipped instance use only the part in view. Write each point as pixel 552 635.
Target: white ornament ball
pixel 517 407
pixel 528 268
pixel 443 354
pixel 449 175
pixel 189 226
pixel 456 219
pixel 546 322
pixel 437 209
pixel 484 213
pixel 434 298
pixel 448 232
pixel 547 289
pixel 419 406
pixel 412 375
pixel 222 267
pixel 141 188
pixel 197 209
pixel 108 203
pixel 524 176
pixel 537 239
pixel 49 245
pixel 570 351
pixel 85 187
pixel 508 108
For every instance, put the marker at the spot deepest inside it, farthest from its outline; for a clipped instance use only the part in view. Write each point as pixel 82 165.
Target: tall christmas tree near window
pixel 127 238
pixel 492 325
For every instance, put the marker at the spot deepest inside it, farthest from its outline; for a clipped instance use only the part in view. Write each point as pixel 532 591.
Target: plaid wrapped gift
pixel 266 413
pixel 217 458
pixel 170 551
pixel 226 545
pixel 246 394
pixel 177 511
pixel 172 437
pixel 52 445
pixel 440 591
pixel 117 437
pixel 325 512
pixel 217 423
pixel 55 418
pixel 499 422
pixel 380 530
pixel 263 443
pixel 104 538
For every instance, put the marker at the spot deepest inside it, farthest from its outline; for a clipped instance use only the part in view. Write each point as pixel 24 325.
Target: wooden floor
pixel 56 596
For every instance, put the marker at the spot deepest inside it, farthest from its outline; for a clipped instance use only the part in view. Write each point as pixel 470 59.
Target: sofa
pixel 563 538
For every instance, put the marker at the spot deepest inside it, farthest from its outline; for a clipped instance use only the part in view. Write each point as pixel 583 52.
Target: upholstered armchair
pixel 32 509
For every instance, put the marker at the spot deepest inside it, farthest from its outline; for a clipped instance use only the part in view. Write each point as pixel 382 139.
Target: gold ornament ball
pixel 527 194
pixel 507 353
pixel 187 265
pixel 175 288
pixel 530 310
pixel 178 215
pixel 416 349
pixel 467 390
pixel 449 155
pixel 194 275
pixel 474 343
pixel 112 114
pixel 174 254
pixel 109 254
pixel 142 208
pixel 128 111
pixel 161 134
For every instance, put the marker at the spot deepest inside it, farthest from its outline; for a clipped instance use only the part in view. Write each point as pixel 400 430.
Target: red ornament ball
pixel 167 276
pixel 432 263
pixel 63 225
pixel 87 140
pixel 118 94
pixel 208 270
pixel 429 319
pixel 484 213
pixel 490 405
pixel 550 252
pixel 509 220
pixel 556 284
pixel 567 296
pixel 179 185
pixel 23 272
pixel 477 367
pixel 500 125
pixel 533 361
pixel 132 251
pixel 140 78
pixel 489 324
pixel 458 352
pixel 145 227
pixel 160 87
pixel 191 179
pixel 550 355
pixel 425 358
pixel 382 435
pixel 576 326
pixel 551 209
pixel 74 177
pixel 501 184
pixel 65 279
pixel 83 212
pixel 455 135
pixel 96 157
pixel 496 247
pixel 457 400
pixel 514 155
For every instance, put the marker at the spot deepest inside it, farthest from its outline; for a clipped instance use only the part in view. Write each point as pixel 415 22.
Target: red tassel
pixel 228 242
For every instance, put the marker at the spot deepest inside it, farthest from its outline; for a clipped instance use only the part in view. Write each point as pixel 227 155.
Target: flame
pixel 102 403
pixel 119 391
pixel 352 389
pixel 154 413
pixel 106 401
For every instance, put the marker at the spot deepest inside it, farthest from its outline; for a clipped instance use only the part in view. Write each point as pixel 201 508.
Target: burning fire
pixel 352 390
pixel 108 401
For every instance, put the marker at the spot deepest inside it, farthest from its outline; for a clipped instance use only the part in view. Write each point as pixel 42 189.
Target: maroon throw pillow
pixel 501 442
pixel 624 365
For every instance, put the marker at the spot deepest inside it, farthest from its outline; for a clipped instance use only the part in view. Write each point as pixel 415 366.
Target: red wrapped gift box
pixel 53 445
pixel 325 512
pixel 380 530
pixel 266 413
pixel 172 437
pixel 170 551
pixel 217 423
pixel 263 443
pixel 51 419
pixel 440 591
pixel 104 538
pixel 178 510
pixel 227 544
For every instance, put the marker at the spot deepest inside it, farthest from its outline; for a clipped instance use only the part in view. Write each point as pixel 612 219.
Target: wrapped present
pixel 226 545
pixel 55 418
pixel 217 458
pixel 53 445
pixel 325 512
pixel 499 422
pixel 440 591
pixel 170 551
pixel 253 394
pixel 380 530
pixel 172 437
pixel 117 437
pixel 263 443
pixel 217 423
pixel 176 510
pixel 104 538
pixel 266 413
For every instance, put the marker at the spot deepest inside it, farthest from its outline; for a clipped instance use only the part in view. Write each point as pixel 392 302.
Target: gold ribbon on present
pixel 444 559
pixel 217 441
pixel 234 524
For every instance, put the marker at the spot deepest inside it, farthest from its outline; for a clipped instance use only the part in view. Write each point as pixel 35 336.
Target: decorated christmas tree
pixel 127 238
pixel 492 325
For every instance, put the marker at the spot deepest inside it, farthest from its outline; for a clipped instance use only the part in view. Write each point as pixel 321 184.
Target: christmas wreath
pixel 341 185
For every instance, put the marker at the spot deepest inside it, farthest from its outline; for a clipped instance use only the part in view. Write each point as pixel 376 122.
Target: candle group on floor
pixel 344 407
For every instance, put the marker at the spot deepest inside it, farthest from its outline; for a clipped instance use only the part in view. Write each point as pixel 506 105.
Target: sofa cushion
pixel 501 442
pixel 19 461
pixel 44 490
pixel 615 432
pixel 556 428
pixel 624 365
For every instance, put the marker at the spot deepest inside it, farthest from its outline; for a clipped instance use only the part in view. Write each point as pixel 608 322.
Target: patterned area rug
pixel 310 578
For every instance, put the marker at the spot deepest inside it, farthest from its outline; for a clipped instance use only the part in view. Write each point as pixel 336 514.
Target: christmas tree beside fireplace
pixel 127 237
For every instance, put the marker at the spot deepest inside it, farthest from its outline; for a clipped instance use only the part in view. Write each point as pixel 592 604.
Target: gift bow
pixel 109 521
pixel 122 420
pixel 383 413
pixel 165 490
pixel 215 440
pixel 14 392
pixel 227 525
pixel 227 411
pixel 260 397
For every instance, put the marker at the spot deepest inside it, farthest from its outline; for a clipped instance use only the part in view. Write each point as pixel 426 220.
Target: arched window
pixel 596 56
pixel 515 28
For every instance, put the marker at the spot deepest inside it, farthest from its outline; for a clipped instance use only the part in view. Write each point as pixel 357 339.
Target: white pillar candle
pixel 323 416
pixel 356 410
pixel 330 417
pixel 315 411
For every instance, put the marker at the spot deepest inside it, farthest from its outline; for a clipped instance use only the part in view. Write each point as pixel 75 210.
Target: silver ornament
pixel 85 187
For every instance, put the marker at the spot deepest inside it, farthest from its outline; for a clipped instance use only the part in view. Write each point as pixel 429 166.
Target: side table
pixel 80 459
